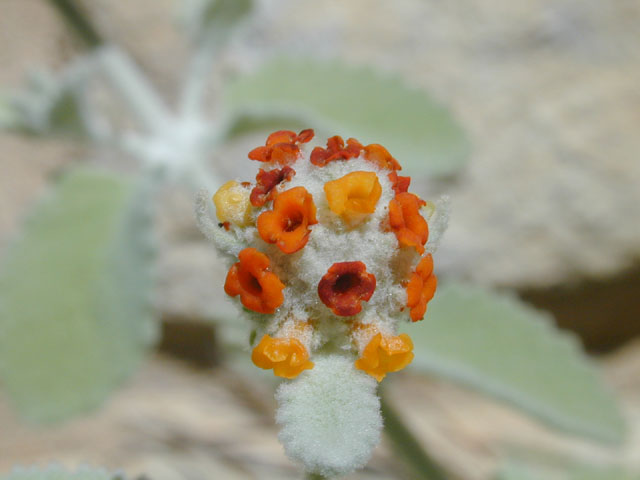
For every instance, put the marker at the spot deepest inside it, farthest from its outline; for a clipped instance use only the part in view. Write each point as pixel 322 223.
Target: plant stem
pixel 78 21
pixel 407 446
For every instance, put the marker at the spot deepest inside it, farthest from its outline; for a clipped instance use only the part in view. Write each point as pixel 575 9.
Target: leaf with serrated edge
pixel 74 297
pixel 353 102
pixel 499 345
pixel 56 472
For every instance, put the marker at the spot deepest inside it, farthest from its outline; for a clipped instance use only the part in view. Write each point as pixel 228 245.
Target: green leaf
pixel 55 472
pixel 499 345
pixel 74 296
pixel 522 470
pixel 353 102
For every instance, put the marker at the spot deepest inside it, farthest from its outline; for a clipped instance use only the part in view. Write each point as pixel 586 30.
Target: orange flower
pixel 385 354
pixel 398 183
pixel 281 147
pixel 287 225
pixel 266 182
pixel 381 157
pixel 421 288
pixel 353 195
pixel 287 356
pixel 344 286
pixel 407 223
pixel 335 151
pixel 260 290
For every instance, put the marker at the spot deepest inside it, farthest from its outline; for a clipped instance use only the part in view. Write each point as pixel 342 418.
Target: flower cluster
pixel 330 253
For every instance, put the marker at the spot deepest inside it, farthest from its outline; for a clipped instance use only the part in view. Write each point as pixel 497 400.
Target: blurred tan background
pixel 549 95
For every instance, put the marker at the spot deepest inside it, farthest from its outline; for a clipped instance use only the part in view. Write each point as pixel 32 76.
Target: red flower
pixel 344 286
pixel 260 290
pixel 266 182
pixel 335 150
pixel 398 183
pixel 281 147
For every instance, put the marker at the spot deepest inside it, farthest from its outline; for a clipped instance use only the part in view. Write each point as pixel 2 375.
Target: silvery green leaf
pixel 503 347
pixel 55 472
pixel 520 470
pixel 204 19
pixel 334 98
pixel 74 296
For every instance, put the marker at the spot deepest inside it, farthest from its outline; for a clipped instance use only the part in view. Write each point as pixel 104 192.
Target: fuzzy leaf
pixel 353 102
pixel 520 470
pixel 55 472
pixel 499 345
pixel 74 297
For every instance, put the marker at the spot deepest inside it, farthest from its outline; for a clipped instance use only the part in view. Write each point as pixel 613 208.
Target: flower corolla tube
pixel 328 254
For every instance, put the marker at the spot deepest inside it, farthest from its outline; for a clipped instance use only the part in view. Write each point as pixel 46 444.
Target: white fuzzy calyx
pixel 330 417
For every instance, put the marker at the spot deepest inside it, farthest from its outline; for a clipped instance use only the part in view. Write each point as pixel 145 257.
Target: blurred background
pixel 545 205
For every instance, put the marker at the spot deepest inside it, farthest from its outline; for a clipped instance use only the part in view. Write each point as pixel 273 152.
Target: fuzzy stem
pixel 198 74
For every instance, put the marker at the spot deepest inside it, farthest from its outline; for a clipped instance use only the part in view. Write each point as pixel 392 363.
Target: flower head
pixel 332 254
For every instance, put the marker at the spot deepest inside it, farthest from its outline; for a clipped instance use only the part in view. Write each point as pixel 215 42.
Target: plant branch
pixel 78 21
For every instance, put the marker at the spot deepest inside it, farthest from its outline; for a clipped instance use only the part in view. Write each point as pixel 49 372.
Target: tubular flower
pixel 232 204
pixel 384 354
pixel 421 288
pixel 287 356
pixel 410 227
pixel 380 156
pixel 344 286
pixel 398 183
pixel 328 245
pixel 354 195
pixel 267 181
pixel 287 225
pixel 281 147
pixel 260 290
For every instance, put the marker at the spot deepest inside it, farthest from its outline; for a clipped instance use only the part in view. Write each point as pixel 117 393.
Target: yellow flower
pixel 386 354
pixel 287 356
pixel 354 195
pixel 232 204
